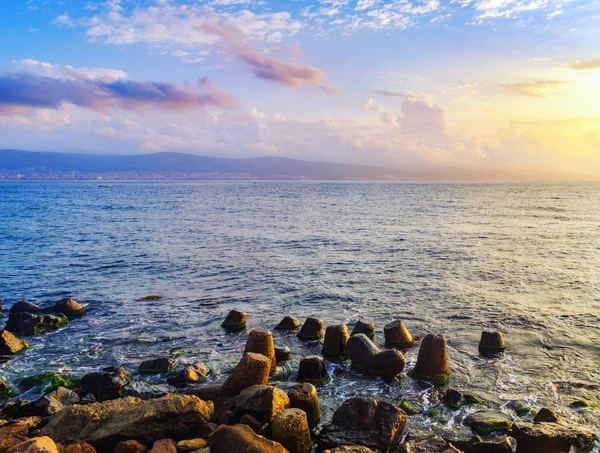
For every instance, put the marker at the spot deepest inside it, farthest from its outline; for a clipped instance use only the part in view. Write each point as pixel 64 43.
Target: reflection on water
pixel 449 258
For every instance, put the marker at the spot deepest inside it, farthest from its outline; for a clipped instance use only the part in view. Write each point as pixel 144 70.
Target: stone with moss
pixel 523 411
pixel 487 422
pixel 34 324
pixel 580 403
pixel 434 413
pixel 156 366
pixel 49 381
pixel 546 415
pixel 440 379
pixel 5 391
pixel 408 408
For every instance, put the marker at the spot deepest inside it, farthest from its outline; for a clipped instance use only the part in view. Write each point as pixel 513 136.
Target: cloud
pixel 421 119
pixel 404 94
pixel 585 65
pixel 538 89
pixel 64 20
pixel 23 90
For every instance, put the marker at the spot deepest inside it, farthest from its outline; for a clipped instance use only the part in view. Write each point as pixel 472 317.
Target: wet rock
pixel 424 442
pixel 146 391
pixel 305 397
pixel 36 445
pixel 432 361
pixel 283 354
pixel 13 434
pixel 235 321
pixel 260 341
pixel 368 358
pixel 130 446
pixel 106 384
pixel 81 447
pixel 487 422
pixel 288 323
pixel 367 328
pixel 350 449
pixel 9 344
pixel 55 401
pixel 241 439
pixel 253 423
pixel 546 415
pixel 579 403
pixel 130 418
pixel 397 335
pixel 48 381
pixel 22 323
pixel 253 369
pixel 551 437
pixel 192 444
pixel 262 402
pixel 69 307
pixel 312 329
pixel 491 343
pixel 205 392
pixel 455 399
pixel 5 390
pixel 336 338
pixel 290 429
pixel 312 369
pixel 164 446
pixel 24 307
pixel 156 366
pixel 366 422
pixel 506 445
pixel 189 375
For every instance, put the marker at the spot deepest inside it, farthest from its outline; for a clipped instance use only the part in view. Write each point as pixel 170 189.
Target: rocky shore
pixel 262 405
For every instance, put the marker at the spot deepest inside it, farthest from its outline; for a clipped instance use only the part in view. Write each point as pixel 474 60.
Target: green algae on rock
pixel 5 391
pixel 49 381
pixel 487 422
pixel 408 408
pixel 235 321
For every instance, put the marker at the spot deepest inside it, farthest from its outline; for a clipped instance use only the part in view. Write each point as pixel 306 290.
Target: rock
pixel 283 354
pixel 305 397
pixel 397 335
pixel 261 401
pixel 84 447
pixel 191 444
pixel 241 439
pixel 288 323
pixel 130 446
pixel 205 392
pixel 455 399
pixel 260 341
pixel 290 429
pixel 9 344
pixel 253 369
pixel 350 449
pixel 546 415
pixel 146 391
pixel 36 445
pixel 367 328
pixel 312 329
pixel 312 369
pixel 22 323
pixel 487 422
pixel 408 408
pixel 156 366
pixel 580 403
pixel 491 343
pixel 424 442
pixel 235 321
pixel 366 422
pixel 336 338
pixel 69 307
pixel 164 446
pixel 130 418
pixel 506 445
pixel 368 358
pixel 24 307
pixel 55 401
pixel 189 375
pixel 13 434
pixel 551 437
pixel 432 361
pixel 253 423
pixel 5 390
pixel 106 384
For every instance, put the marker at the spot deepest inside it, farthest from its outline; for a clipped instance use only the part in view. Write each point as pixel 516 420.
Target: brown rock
pixel 36 445
pixel 130 446
pixel 312 329
pixel 262 402
pixel 350 449
pixel 260 341
pixel 288 323
pixel 283 354
pixel 546 415
pixel 432 362
pixel 336 338
pixel 551 437
pixel 69 307
pixel 24 306
pixel 13 434
pixel 84 447
pixel 252 422
pixel 156 366
pixel 424 442
pixel 235 321
pixel 290 429
pixel 305 397
pixel 491 343
pixel 368 358
pixel 164 446
pixel 189 375
pixel 397 335
pixel 106 384
pixel 192 444
pixel 312 369
pixel 253 369
pixel 9 344
pixel 367 328
pixel 241 439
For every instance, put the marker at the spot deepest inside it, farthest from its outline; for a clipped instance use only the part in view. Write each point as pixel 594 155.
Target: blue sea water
pixel 447 258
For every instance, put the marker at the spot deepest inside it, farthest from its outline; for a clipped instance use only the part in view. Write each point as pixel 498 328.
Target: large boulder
pixel 23 323
pixel 69 307
pixel 368 358
pixel 424 442
pixel 241 439
pixel 9 344
pixel 13 434
pixel 36 445
pixel 24 306
pixel 432 361
pixel 363 421
pixel 105 385
pixel 105 424
pixel 261 401
pixel 290 429
pixel 253 369
pixel 260 341
pixel 552 437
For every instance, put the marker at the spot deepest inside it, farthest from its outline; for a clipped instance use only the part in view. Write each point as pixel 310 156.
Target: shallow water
pixel 447 258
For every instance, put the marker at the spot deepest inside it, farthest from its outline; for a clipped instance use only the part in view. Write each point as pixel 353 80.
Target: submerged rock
pixel 491 343
pixel 9 344
pixel 305 397
pixel 23 323
pixel 189 375
pixel 368 358
pixel 312 369
pixel 367 328
pixel 130 418
pixel 106 384
pixel 312 329
pixel 69 307
pixel 336 339
pixel 290 429
pixel 288 323
pixel 397 335
pixel 552 437
pixel 432 361
pixel 156 366
pixel 235 321
pixel 424 442
pixel 24 306
pixel 146 391
pixel 366 422
pixel 261 402
pixel 260 341
pixel 241 439
pixel 253 369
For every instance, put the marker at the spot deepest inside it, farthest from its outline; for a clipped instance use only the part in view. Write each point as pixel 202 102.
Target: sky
pixel 496 87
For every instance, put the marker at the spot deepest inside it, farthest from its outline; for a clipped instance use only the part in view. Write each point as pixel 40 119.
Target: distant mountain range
pixel 16 164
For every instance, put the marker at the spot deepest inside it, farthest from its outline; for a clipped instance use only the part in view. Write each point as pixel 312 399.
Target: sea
pixel 449 258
